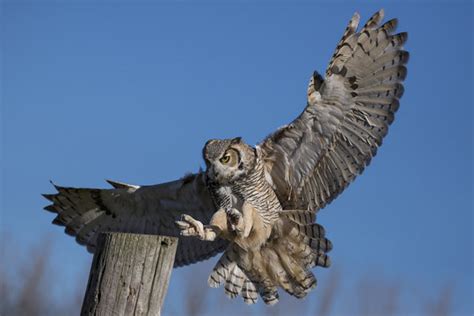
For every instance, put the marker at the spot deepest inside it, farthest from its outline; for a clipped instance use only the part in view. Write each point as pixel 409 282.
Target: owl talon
pixel 235 220
pixel 190 227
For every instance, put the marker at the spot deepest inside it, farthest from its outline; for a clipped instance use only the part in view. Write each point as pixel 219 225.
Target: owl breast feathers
pixel 258 204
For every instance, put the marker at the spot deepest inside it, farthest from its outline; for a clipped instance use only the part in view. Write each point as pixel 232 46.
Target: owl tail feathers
pixel 235 281
pixel 283 262
pixel 290 258
pixel 298 225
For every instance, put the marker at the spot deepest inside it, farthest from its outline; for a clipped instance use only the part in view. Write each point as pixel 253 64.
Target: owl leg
pixel 194 228
pixel 241 223
pixel 236 220
pixel 247 212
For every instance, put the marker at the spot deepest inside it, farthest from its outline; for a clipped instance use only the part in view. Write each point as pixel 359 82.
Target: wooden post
pixel 129 274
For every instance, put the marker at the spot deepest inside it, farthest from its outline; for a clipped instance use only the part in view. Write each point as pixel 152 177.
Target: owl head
pixel 228 159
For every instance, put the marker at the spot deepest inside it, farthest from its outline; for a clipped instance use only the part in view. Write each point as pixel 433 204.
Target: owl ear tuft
pixel 236 140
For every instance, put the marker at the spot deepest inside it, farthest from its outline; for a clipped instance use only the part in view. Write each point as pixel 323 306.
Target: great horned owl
pixel 270 246
pixel 258 204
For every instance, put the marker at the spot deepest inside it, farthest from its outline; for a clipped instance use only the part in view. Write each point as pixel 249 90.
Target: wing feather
pixel 313 159
pixel 137 209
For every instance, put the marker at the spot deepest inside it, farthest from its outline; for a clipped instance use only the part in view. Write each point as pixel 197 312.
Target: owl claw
pixel 190 227
pixel 235 220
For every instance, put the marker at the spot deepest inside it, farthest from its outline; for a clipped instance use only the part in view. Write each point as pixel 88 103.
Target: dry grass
pixel 27 280
pixel 25 284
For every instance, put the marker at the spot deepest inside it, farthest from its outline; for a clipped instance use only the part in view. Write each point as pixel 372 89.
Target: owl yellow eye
pixel 225 159
pixel 230 158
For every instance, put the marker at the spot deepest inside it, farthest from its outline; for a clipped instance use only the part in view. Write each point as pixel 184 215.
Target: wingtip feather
pixel 50 208
pixel 355 20
pixel 121 185
pixel 49 197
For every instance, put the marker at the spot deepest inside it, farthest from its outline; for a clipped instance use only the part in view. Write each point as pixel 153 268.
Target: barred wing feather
pixel 137 209
pixel 313 159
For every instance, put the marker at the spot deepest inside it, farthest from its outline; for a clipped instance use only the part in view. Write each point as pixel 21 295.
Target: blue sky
pixel 131 92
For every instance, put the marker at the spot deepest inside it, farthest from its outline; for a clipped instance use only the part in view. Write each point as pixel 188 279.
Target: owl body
pixel 252 196
pixel 250 187
pixel 268 250
pixel 239 183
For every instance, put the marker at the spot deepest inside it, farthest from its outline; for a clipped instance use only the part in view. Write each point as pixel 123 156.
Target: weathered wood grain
pixel 129 274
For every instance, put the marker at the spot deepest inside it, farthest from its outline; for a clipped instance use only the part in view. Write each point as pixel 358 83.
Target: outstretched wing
pixel 137 209
pixel 314 158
